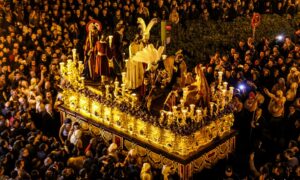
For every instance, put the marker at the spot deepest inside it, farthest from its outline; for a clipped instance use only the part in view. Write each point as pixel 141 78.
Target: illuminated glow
pixel 280 37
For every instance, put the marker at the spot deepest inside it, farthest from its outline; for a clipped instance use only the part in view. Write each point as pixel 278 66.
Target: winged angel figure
pixel 149 55
pixel 146 28
pixel 135 69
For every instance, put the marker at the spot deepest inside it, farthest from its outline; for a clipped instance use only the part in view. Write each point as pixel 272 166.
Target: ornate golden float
pixel 115 111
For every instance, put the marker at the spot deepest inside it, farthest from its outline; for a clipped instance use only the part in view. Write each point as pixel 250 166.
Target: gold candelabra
pixel 71 72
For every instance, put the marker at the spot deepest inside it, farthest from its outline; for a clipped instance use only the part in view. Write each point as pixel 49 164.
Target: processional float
pixel 157 106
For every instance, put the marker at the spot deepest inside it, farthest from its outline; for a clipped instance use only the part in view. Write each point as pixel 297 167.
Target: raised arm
pixel 269 94
pixel 42 78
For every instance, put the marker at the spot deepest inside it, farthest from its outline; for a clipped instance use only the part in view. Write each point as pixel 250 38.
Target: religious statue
pixel 149 55
pixel 115 53
pixel 135 70
pixel 101 62
pixel 203 88
pixel 176 68
pixel 145 29
pixel 93 29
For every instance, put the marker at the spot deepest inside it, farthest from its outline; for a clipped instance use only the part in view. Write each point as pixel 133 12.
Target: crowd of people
pixel 37 35
pixel 266 77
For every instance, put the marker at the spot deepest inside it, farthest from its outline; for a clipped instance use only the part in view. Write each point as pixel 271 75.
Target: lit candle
pixel 225 84
pixel 126 63
pixel 192 109
pixel 116 85
pixel 198 113
pixel 74 54
pixel 61 67
pixel 211 108
pixel 123 77
pixel 123 89
pixel 110 37
pixel 80 64
pixel 224 93
pixel 220 73
pixel 182 103
pixel 133 100
pixel 107 91
pixel 174 109
pixel 69 63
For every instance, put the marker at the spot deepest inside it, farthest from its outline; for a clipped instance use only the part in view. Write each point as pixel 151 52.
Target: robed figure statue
pixel 93 29
pixel 101 62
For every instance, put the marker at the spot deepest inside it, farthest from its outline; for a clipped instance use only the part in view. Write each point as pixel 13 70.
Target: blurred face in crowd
pixel 160 3
pixel 280 61
pixel 266 72
pixel 270 63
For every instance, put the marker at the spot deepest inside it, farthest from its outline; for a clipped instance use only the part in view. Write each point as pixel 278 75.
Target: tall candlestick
pixel 133 100
pixel 198 115
pixel 224 93
pixel 110 37
pixel 211 108
pixel 174 109
pixel 126 64
pixel 181 103
pixel 74 54
pixel 123 77
pixel 107 91
pixel 225 84
pixel 123 89
pixel 116 85
pixel 185 93
pixel 69 64
pixel 62 67
pixel 192 109
pixel 220 73
pixel 184 112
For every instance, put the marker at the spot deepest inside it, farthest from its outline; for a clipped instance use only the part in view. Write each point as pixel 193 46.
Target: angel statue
pixel 93 29
pixel 135 70
pixel 149 55
pixel 145 30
